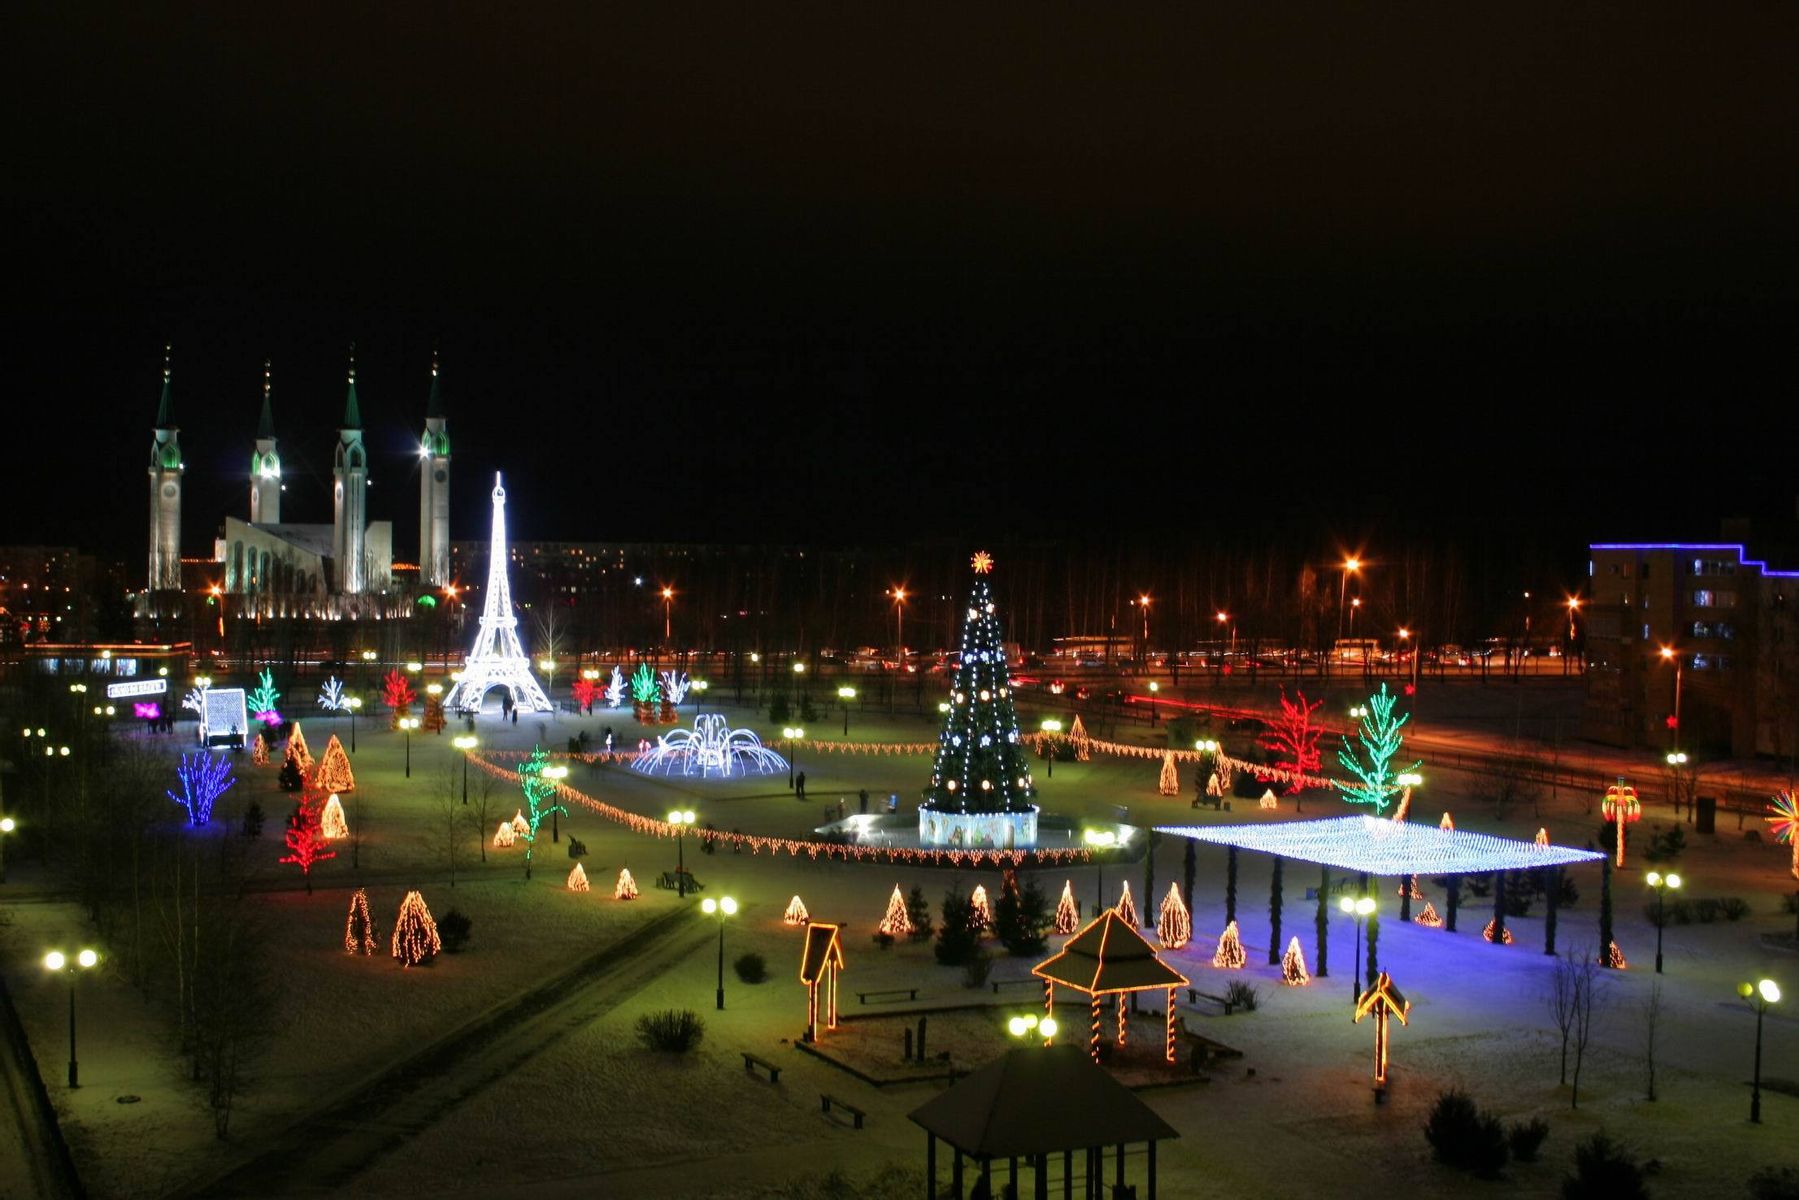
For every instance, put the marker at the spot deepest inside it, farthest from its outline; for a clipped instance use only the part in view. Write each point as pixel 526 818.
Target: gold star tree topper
pixel 983 562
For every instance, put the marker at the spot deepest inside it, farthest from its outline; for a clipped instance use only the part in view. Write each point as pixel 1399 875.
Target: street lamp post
pixel 1669 654
pixel 722 907
pixel 1143 603
pixel 1682 783
pixel 353 703
pixel 56 961
pixel 1661 883
pixel 668 617
pixel 790 732
pixel 1759 995
pixel 7 825
pixel 548 666
pixel 1350 567
pixel 899 639
pixel 682 820
pixel 1359 908
pixel 1051 726
pixel 407 725
pixel 1154 687
pixel 464 742
pixel 846 694
pixel 1099 839
pixel 557 772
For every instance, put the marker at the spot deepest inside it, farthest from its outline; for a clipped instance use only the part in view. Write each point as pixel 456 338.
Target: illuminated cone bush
pixel 1068 915
pixel 980 911
pixel 896 923
pixel 296 748
pixel 1173 924
pixel 1505 935
pixel 1614 957
pixel 1293 966
pixel 259 753
pixel 796 913
pixel 577 879
pixel 334 774
pixel 1229 955
pixel 520 826
pixel 1126 908
pixel 626 888
pixel 1427 917
pixel 503 836
pixel 359 927
pixel 1268 803
pixel 415 933
pixel 332 826
pixel 1170 782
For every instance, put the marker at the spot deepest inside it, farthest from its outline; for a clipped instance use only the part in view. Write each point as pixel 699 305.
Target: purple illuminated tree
pixel 204 779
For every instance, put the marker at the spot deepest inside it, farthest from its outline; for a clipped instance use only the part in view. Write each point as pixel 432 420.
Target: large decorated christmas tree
pixel 981 790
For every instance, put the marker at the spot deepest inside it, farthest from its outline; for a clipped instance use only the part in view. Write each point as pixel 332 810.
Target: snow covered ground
pixel 593 1112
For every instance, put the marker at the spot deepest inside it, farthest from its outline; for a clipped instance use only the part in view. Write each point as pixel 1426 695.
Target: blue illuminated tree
pixel 981 765
pixel 539 803
pixel 1378 740
pixel 204 779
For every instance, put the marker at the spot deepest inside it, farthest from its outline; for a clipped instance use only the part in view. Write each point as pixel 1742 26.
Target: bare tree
pixel 1564 989
pixel 1589 997
pixel 1652 1018
pixel 479 810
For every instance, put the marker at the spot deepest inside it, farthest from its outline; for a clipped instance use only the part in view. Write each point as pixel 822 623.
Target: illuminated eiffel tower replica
pixel 498 660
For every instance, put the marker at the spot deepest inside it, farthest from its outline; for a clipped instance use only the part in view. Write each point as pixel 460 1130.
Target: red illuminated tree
pixel 585 691
pixel 397 694
pixel 1294 737
pixel 305 841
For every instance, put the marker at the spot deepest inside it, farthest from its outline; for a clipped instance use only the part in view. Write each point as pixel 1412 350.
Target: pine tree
pixel 957 939
pixel 1174 926
pixel 980 910
pixel 1230 886
pixel 918 911
pixel 1321 922
pixel 1068 916
pixel 333 773
pixel 415 938
pixel 1021 919
pixel 434 713
pixel 981 765
pixel 1170 782
pixel 895 923
pixel 1275 890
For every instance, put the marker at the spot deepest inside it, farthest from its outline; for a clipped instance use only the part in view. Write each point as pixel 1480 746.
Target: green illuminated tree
pixel 263 697
pixel 539 802
pixel 1379 741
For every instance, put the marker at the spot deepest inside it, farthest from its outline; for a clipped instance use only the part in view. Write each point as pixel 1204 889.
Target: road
pixel 321 1154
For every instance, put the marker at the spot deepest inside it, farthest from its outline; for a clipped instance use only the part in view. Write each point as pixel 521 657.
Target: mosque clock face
pixel 440 475
pixel 168 491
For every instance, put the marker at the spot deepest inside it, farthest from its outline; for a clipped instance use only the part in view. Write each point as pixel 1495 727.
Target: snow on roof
pixel 1384 847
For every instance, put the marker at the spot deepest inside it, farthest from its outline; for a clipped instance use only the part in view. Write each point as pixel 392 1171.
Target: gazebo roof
pixel 1384 847
pixel 1037 1100
pixel 823 948
pixel 1109 956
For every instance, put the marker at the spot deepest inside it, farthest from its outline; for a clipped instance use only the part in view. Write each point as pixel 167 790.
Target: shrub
pixel 1734 908
pixel 751 967
pixel 1707 910
pixel 1021 919
pixel 1666 844
pixel 808 714
pixel 976 970
pixel 253 820
pixel 1774 1183
pixel 883 939
pixel 1478 885
pixel 778 711
pixel 1526 1138
pixel 1604 1170
pixel 453 930
pixel 1463 1137
pixel 1241 994
pixel 672 1031
pixel 1790 902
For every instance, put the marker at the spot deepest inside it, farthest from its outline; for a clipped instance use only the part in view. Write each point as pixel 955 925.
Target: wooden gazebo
pixel 1109 958
pixel 1034 1104
pixel 819 965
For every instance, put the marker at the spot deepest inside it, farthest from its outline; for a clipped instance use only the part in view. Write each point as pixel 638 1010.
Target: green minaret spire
pixel 165 410
pixel 352 413
pixel 434 405
pixel 265 428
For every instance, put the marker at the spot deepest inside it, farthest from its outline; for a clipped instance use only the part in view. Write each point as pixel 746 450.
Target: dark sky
pixel 734 272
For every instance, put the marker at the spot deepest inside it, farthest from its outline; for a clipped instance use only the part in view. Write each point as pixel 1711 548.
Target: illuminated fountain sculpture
pixel 710 750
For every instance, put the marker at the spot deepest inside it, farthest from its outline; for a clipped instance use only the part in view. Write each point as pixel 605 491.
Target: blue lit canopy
pixel 1384 847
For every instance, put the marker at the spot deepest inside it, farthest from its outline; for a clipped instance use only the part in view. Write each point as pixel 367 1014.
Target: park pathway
pixel 322 1153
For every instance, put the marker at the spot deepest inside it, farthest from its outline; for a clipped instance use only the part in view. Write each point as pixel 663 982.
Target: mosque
pixel 268 567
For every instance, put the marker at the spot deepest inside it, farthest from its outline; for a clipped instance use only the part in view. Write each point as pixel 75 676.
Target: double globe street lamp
pixel 1759 996
pixel 407 725
pixel 1661 883
pixel 723 907
pixel 1361 908
pixel 464 742
pixel 56 962
pixel 681 820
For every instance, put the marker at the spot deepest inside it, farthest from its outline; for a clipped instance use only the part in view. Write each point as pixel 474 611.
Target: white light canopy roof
pixel 1383 847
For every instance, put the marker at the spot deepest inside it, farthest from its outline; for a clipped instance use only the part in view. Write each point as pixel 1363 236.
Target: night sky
pixel 737 275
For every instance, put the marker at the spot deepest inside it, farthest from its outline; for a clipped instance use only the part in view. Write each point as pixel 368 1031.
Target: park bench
pixel 827 1102
pixel 887 995
pixel 1028 980
pixel 668 881
pixel 751 1062
pixel 1194 996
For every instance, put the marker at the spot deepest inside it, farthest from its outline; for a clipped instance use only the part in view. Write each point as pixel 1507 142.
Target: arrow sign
pixel 1383 1000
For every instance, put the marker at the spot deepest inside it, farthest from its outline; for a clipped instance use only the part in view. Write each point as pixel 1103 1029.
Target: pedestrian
pixel 862 799
pixel 799 785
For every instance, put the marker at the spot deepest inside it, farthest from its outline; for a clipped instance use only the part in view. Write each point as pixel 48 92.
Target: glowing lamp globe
pixel 1047 1027
pixel 87 958
pixel 1770 991
pixel 56 961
